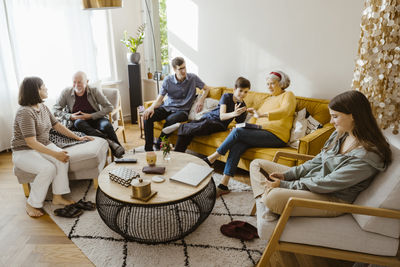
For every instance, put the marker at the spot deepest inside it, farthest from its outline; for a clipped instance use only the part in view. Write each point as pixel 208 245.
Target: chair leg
pixel 253 210
pixel 123 134
pixel 121 117
pixel 95 183
pixel 111 155
pixel 26 189
pixel 269 250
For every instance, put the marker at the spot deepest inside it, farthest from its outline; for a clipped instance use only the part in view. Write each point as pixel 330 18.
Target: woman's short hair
pixel 281 77
pixel 366 129
pixel 242 82
pixel 29 91
pixel 177 62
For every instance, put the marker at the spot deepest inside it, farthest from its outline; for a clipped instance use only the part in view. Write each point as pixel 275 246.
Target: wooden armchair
pixel 116 116
pixel 275 244
pixel 353 236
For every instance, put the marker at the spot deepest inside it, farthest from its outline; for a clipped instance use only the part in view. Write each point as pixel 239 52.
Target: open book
pixel 248 125
pixel 192 174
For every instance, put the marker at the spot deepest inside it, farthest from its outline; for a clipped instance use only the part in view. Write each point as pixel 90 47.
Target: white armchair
pixel 368 232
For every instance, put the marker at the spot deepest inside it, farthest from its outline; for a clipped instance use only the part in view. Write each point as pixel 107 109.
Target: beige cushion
pixel 299 128
pixel 339 232
pixel 86 161
pixel 209 104
pixel 384 192
pixel 87 155
pixel 113 95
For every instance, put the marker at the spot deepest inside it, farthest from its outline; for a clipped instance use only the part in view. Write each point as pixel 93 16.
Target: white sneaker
pixel 171 128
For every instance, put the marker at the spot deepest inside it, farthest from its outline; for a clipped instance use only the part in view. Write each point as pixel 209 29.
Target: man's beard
pixel 79 91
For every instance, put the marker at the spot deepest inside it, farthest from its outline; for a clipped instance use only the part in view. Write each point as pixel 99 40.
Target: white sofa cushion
pixel 86 161
pixel 87 155
pixel 383 192
pixel 338 232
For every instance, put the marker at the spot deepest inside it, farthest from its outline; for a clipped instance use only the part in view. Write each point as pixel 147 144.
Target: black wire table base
pixel 156 223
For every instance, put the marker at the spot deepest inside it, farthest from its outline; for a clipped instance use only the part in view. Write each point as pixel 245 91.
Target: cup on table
pixel 151 158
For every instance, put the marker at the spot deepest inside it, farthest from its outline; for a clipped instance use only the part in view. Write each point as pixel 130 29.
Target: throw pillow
pixel 312 125
pixel 298 129
pixel 209 104
pixel 303 124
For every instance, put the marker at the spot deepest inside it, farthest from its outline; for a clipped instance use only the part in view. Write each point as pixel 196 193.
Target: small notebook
pixel 248 125
pixel 192 174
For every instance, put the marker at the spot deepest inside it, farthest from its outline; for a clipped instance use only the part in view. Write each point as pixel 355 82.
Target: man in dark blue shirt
pixel 181 90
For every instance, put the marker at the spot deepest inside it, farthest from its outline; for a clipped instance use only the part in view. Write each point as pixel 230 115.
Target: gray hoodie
pixel 341 175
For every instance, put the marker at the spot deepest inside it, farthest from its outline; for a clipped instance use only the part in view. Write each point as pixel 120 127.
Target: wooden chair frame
pixel 275 244
pixel 121 124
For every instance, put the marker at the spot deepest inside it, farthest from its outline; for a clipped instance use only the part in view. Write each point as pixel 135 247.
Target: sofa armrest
pixel 292 155
pixel 340 207
pixel 312 143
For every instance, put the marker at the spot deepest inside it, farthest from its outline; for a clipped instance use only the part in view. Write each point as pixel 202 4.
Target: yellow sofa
pixel 310 144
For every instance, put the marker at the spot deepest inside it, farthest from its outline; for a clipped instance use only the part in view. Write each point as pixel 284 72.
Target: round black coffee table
pixel 175 211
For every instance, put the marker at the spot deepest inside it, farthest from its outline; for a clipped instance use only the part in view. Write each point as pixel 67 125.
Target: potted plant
pixel 132 43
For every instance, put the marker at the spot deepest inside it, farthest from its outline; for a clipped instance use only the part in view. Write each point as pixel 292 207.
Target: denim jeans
pixel 100 127
pixel 159 115
pixel 191 129
pixel 240 139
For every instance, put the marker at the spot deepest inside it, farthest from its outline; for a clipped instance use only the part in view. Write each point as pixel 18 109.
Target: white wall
pixel 314 41
pixel 129 18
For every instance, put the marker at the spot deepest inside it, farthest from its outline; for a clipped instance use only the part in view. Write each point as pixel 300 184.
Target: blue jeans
pixel 240 139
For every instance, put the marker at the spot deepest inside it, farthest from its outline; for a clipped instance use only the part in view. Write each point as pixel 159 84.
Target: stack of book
pixel 123 175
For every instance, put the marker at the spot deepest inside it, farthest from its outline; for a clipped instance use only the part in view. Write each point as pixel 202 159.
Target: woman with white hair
pixel 275 117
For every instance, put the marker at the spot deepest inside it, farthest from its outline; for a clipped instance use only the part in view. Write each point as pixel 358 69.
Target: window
pixel 54 39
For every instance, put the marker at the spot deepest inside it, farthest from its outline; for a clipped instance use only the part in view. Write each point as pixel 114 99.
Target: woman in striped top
pixel 32 150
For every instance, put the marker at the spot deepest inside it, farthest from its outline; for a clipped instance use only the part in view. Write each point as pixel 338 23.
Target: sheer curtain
pixel 8 84
pixel 51 39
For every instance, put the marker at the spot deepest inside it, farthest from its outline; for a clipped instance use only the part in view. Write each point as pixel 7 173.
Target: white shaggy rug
pixel 206 246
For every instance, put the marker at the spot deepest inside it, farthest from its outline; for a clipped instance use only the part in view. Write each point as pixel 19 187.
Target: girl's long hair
pixel 366 129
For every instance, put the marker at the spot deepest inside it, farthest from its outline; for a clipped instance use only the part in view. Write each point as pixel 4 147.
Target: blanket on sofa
pixel 63 141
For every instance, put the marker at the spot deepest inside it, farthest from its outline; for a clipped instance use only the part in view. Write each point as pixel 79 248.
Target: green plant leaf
pixel 133 43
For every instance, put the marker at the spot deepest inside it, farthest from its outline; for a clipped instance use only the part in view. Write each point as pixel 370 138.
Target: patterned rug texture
pixel 206 246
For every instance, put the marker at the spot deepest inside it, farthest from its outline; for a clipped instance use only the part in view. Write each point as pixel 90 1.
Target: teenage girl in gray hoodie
pixel 348 162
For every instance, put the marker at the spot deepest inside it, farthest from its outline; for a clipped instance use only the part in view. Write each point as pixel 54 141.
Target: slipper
pixel 208 162
pixel 85 205
pixel 239 229
pixel 69 211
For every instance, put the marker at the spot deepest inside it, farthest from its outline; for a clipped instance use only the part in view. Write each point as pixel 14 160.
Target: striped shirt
pixel 31 122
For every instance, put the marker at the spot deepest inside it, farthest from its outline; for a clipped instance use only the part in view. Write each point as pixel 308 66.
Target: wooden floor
pixel 39 242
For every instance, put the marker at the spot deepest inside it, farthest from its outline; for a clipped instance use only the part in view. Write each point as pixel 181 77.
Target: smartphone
pixel 266 175
pixel 126 160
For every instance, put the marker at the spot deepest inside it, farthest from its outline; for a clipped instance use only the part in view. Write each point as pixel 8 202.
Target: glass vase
pixel 167 156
